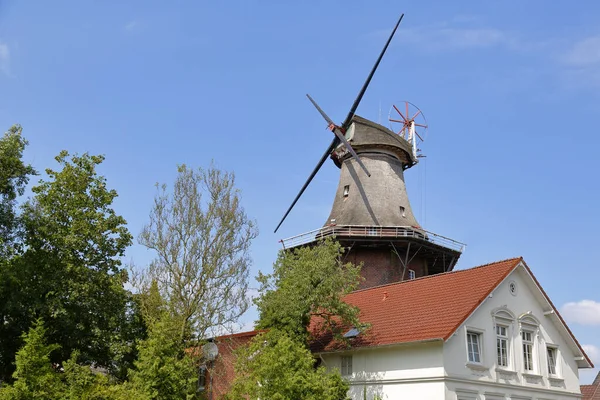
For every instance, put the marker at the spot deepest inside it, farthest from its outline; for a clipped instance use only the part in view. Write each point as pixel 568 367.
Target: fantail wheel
pixel 406 117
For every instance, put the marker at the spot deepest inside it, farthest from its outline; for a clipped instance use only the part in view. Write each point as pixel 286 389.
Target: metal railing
pixel 389 232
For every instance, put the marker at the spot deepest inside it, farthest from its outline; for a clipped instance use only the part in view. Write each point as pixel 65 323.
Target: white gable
pixel 528 329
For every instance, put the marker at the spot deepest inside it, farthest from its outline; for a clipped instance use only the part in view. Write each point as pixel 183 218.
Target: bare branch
pixel 201 236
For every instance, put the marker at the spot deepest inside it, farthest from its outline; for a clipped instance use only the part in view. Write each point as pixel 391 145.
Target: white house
pixel 489 332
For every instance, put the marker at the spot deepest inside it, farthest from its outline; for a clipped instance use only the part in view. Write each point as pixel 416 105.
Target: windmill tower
pixel 371 214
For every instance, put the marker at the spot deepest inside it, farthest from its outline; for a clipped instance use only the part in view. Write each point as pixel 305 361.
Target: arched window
pixel 503 323
pixel 529 326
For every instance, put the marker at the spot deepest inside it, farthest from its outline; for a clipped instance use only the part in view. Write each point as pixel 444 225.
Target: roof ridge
pixel 597 380
pixel 491 289
pixel 596 385
pixel 437 275
pixel 253 332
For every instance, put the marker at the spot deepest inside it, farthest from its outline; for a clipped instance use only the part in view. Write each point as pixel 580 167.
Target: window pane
pixel 500 330
pixel 346 365
pixel 527 357
pixel 502 345
pixel 502 349
pixel 551 361
pixel 473 347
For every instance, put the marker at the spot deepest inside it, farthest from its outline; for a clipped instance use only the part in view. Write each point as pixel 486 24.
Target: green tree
pixel 152 304
pixel 201 236
pixel 37 378
pixel 82 383
pixel 70 273
pixel 14 175
pixel 34 376
pixel 164 371
pixel 308 282
pixel 275 366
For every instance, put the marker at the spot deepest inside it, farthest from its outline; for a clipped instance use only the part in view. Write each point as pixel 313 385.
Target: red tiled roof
pixel 591 392
pixel 427 308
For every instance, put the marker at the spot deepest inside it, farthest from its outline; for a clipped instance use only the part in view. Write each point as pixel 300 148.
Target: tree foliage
pixel 164 371
pixel 278 367
pixel 14 175
pixel 34 376
pixel 69 273
pixel 307 282
pixel 201 236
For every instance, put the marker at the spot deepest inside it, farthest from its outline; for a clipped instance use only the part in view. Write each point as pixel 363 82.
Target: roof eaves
pixel 380 346
pixel 240 335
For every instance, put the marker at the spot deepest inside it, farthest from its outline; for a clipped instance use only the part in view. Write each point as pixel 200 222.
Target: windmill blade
pixel 348 119
pixel 336 141
pixel 325 116
pixel 332 146
pixel 340 135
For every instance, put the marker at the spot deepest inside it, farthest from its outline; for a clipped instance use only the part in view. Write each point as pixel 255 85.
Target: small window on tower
pixel 411 274
pixel 402 211
pixel 346 190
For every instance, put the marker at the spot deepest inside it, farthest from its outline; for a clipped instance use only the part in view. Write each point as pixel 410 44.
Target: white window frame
pixel 346 365
pixel 528 323
pixel 527 350
pixel 470 332
pixel 411 274
pixel 503 317
pixel 503 360
pixel 554 349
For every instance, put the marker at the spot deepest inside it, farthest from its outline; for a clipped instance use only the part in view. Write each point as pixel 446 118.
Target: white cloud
pixel 581 62
pixel 463 32
pixel 584 53
pixel 458 38
pixel 593 352
pixel 132 25
pixel 455 36
pixel 4 58
pixel 584 312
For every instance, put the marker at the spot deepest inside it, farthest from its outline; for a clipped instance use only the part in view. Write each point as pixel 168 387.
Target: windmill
pixel 340 130
pixel 371 215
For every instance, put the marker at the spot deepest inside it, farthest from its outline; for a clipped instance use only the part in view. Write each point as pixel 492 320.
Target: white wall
pixel 497 382
pixel 395 372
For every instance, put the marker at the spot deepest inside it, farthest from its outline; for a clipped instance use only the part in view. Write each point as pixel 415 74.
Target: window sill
pixel 506 371
pixel 532 378
pixel 476 366
pixel 556 382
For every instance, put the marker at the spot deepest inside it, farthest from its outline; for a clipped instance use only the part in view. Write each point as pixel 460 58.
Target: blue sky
pixel 510 90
